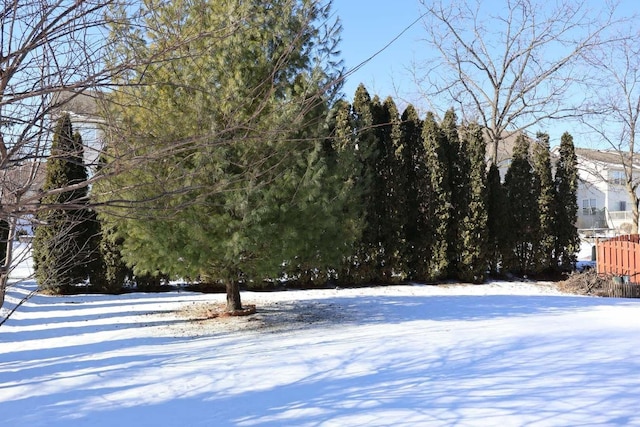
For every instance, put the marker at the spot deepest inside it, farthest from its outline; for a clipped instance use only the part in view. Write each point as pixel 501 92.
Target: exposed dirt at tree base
pixel 206 318
pixel 214 311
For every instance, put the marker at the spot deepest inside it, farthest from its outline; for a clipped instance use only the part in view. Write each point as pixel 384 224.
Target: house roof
pixel 81 104
pixel 611 157
pixel 506 146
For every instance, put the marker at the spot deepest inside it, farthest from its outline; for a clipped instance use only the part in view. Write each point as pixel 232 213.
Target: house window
pixel 618 178
pixel 589 207
pixel 623 206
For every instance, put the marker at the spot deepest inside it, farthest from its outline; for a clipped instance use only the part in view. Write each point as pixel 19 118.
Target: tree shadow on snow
pixel 122 375
pixel 317 313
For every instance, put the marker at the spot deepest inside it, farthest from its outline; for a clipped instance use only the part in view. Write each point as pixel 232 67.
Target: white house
pixel 604 206
pixel 83 111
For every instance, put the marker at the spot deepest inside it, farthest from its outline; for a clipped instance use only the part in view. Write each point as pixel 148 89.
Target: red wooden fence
pixel 620 256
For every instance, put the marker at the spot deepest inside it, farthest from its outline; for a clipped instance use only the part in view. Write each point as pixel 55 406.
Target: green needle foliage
pixel 547 205
pixel 472 228
pixel 353 268
pixel 222 172
pixel 371 137
pixel 417 229
pixel 64 251
pixel 498 221
pixel 566 184
pixel 439 207
pixel 522 192
pixel 392 180
pixel 360 143
pixel 458 167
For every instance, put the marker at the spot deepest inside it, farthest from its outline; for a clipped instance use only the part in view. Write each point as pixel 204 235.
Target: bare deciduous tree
pixel 46 48
pixel 512 67
pixel 614 111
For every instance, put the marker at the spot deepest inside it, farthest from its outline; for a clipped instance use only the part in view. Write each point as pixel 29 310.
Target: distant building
pixel 505 151
pixel 604 206
pixel 84 113
pixel 21 182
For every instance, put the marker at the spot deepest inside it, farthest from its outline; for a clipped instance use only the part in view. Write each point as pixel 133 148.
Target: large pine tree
pixel 221 184
pixel 63 247
pixel 566 184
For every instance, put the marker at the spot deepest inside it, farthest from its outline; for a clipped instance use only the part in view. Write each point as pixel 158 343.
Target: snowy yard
pixel 506 354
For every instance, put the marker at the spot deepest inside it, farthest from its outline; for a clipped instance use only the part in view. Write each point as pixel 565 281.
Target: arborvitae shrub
pixel 63 245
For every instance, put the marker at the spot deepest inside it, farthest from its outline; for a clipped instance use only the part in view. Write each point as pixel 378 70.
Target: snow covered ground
pixel 505 353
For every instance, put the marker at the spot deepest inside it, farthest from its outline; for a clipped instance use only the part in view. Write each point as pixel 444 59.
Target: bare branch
pixel 613 113
pixel 512 68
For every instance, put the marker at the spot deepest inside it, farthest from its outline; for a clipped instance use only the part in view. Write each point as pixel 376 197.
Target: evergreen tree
pixel 334 189
pixel 472 261
pixel 498 220
pixel 521 190
pixel 457 180
pixel 566 184
pixel 391 204
pixel 417 228
pixel 63 245
pixel 111 272
pixel 216 147
pixel 547 208
pixel 350 165
pixel 439 209
pixel 366 262
pixel 376 144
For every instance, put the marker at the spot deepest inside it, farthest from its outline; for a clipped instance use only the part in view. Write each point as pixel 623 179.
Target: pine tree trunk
pixel 233 296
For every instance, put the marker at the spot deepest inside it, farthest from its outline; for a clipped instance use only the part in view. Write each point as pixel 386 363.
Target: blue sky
pixel 368 25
